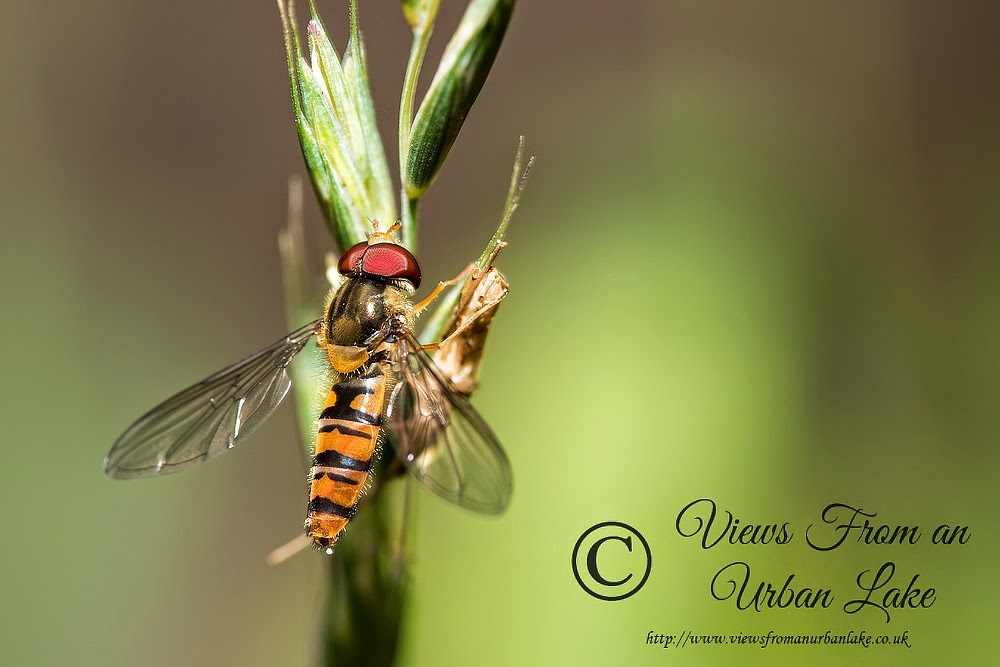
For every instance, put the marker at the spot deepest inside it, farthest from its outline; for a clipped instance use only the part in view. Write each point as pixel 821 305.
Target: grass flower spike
pixel 335 118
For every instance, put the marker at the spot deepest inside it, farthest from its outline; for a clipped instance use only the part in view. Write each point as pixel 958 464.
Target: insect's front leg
pixel 441 285
pixel 470 269
pixel 476 273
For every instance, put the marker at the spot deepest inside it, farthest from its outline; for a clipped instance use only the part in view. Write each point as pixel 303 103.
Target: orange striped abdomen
pixel 345 446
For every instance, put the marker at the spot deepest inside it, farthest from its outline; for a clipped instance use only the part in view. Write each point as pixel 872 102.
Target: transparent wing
pixel 442 440
pixel 209 417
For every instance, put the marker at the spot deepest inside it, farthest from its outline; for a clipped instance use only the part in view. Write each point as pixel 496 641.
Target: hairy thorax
pixel 356 316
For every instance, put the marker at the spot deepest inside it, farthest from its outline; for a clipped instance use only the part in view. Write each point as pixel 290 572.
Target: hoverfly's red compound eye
pixel 388 260
pixel 349 260
pixel 381 260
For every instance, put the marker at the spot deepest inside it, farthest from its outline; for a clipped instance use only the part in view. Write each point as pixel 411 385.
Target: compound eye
pixel 349 260
pixel 388 260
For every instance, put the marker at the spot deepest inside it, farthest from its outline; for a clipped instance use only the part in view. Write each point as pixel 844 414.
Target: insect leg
pixel 465 325
pixel 441 285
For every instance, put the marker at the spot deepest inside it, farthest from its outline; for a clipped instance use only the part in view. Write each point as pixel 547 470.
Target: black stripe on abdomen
pixel 345 392
pixel 334 459
pixel 321 505
pixel 332 476
pixel 349 414
pixel 346 430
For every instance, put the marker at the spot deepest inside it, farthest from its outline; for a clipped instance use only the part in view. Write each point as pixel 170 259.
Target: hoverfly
pixel 383 379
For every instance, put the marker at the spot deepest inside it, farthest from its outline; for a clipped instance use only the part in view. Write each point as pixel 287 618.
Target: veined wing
pixel 443 441
pixel 208 418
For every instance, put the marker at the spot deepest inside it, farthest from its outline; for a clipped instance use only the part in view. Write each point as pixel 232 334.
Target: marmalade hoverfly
pixel 383 378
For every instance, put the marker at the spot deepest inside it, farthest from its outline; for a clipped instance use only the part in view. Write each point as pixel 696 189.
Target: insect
pixel 383 380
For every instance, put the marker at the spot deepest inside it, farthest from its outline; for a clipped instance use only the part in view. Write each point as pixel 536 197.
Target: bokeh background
pixel 757 261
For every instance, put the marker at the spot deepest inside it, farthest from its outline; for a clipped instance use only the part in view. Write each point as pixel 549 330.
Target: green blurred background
pixel 757 261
